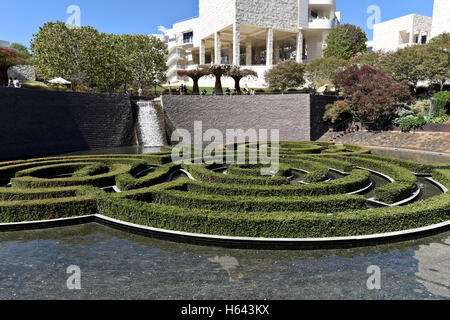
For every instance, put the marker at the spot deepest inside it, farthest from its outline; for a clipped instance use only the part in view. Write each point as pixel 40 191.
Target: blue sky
pixel 21 19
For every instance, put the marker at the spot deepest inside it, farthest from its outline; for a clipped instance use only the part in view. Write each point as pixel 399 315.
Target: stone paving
pixel 427 141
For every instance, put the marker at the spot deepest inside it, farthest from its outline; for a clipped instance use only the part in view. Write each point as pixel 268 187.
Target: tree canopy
pixel 99 61
pixel 237 74
pixel 345 41
pixel 322 71
pixel 287 74
pixel 373 94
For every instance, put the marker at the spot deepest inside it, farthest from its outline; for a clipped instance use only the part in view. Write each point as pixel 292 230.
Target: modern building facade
pixel 255 34
pixel 441 18
pixel 412 29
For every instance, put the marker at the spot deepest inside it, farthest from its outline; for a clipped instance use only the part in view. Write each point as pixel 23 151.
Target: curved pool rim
pixel 234 242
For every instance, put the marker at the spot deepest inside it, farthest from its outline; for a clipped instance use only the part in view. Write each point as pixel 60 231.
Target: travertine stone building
pixel 256 34
pixel 441 17
pixel 412 29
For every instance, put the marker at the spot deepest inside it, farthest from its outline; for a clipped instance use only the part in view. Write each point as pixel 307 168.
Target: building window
pixel 424 39
pixel 188 37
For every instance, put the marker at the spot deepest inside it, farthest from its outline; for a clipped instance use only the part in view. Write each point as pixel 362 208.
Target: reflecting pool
pixel 118 265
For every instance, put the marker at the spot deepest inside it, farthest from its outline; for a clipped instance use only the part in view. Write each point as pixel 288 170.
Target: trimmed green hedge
pixel 358 180
pixel 240 203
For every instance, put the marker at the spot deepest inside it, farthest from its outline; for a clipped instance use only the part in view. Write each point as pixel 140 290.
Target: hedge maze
pixel 321 190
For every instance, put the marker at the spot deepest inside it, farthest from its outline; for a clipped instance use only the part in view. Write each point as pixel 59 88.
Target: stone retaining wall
pixel 39 123
pixel 297 116
pixel 23 72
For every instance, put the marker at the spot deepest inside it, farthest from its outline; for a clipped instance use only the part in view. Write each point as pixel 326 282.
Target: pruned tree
pixel 195 75
pixel 287 74
pixel 218 71
pixel 373 94
pixel 345 41
pixel 237 74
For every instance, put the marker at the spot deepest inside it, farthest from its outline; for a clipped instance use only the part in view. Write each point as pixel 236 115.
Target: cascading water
pixel 151 124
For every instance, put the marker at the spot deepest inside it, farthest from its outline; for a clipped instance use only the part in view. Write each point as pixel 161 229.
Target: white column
pixel 300 47
pixel 248 53
pixel 217 48
pixel 236 44
pixel 269 52
pixel 202 59
pixel 276 51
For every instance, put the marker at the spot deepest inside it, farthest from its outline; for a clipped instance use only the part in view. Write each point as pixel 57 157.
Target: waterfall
pixel 151 129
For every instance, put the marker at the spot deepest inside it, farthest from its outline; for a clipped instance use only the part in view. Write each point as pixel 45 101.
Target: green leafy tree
pixel 104 62
pixel 237 74
pixel 322 71
pixel 373 94
pixel 338 112
pixel 374 59
pixel 345 41
pixel 287 74
pixel 436 62
pixel 407 65
pixel 23 50
pixel 146 60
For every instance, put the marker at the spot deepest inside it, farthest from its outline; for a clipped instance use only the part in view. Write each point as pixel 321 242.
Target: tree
pixel 146 60
pixel 218 71
pixel 23 51
pixel 373 94
pixel 195 75
pixel 323 71
pixel 436 65
pixel 236 73
pixel 9 58
pixel 406 65
pixel 374 59
pixel 337 112
pixel 100 61
pixel 67 52
pixel 287 74
pixel 345 41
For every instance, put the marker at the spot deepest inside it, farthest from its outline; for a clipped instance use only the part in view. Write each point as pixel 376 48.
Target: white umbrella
pixel 60 81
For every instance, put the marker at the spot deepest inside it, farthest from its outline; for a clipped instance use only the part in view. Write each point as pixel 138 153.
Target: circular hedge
pixel 314 194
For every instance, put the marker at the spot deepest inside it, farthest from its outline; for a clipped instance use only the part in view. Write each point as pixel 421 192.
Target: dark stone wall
pixel 318 105
pixel 38 123
pixel 297 116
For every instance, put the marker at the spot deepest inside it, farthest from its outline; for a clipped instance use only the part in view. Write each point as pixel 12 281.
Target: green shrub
pixel 412 123
pixel 443 101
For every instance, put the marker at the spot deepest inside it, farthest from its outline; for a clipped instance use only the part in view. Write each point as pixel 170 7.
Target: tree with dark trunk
pixel 218 71
pixel 237 74
pixel 195 75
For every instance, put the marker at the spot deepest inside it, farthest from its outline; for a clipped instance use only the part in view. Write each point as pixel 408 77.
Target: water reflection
pixel 118 265
pixel 434 267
